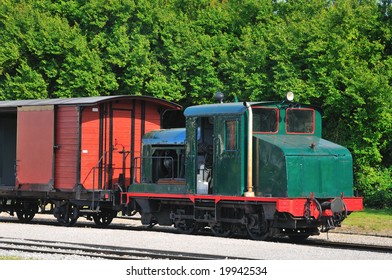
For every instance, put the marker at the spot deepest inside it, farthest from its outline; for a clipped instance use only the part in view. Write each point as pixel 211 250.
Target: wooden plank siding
pixel 67 148
pixel 90 153
pixel 53 145
pixel 34 149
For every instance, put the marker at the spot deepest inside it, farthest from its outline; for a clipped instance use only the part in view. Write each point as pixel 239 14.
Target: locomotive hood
pixel 298 165
pixel 304 145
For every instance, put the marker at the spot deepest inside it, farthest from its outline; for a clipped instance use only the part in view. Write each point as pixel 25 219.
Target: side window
pixel 231 128
pixel 300 121
pixel 265 120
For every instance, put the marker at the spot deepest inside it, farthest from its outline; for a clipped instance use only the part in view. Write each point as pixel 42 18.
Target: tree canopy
pixel 332 53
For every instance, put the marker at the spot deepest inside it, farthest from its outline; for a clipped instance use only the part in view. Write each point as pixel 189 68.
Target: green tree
pixel 332 53
pixel 56 55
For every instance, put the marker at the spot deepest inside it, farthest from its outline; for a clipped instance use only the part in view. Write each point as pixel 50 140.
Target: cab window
pixel 231 135
pixel 300 121
pixel 265 120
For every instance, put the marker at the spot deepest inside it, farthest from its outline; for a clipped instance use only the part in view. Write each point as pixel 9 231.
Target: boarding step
pixel 88 211
pixel 204 208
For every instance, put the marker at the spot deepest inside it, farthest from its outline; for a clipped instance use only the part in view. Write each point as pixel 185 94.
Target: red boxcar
pixel 75 153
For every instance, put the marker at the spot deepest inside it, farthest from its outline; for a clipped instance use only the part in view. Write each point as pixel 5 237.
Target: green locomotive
pixel 259 168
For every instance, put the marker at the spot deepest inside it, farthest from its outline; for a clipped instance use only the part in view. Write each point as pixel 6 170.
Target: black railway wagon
pixel 72 156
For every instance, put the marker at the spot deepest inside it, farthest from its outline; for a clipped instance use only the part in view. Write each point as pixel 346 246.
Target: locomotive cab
pixel 288 156
pixel 215 149
pixel 163 157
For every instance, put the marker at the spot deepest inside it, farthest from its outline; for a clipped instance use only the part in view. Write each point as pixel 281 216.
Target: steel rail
pixel 339 245
pixel 100 251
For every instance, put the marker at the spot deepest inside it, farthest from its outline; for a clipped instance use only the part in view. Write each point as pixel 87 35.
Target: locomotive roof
pixel 84 101
pixel 221 108
pixel 172 136
pixel 236 108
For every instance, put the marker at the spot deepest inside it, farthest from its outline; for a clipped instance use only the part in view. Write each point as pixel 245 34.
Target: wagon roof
pixel 85 101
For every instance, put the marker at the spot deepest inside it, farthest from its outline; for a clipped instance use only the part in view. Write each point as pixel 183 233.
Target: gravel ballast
pixel 129 233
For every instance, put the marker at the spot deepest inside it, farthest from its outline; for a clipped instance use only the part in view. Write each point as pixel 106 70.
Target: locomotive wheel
pixel 185 226
pixel 104 217
pixel 221 229
pixel 133 213
pixel 183 223
pixel 26 211
pixel 257 227
pixel 67 214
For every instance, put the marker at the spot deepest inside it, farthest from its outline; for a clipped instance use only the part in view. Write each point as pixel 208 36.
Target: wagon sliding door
pixel 34 150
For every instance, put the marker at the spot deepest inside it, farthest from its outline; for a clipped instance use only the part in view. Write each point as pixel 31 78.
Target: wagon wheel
pixel 104 217
pixel 221 229
pixel 26 211
pixel 257 227
pixel 67 214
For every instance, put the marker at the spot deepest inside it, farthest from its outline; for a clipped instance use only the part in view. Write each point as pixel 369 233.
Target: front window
pixel 300 121
pixel 265 120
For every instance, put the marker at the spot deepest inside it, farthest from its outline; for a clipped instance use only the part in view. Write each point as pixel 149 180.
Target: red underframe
pixel 294 206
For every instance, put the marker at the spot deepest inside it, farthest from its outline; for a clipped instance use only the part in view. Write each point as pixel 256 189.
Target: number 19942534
pixel 243 270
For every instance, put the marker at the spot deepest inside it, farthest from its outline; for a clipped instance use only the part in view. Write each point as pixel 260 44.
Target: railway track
pixel 99 251
pixel 125 253
pixel 340 245
pixel 94 251
pixel 350 246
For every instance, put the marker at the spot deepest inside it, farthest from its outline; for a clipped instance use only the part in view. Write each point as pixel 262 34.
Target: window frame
pixel 300 109
pixel 277 120
pixel 234 137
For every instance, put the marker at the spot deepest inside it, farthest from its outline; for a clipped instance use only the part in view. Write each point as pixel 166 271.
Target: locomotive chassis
pixel 297 218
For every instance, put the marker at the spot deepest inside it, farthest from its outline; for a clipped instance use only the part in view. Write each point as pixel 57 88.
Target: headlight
pixel 290 96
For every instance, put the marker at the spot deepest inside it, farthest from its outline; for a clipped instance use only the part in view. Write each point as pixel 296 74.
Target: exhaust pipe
pixel 250 192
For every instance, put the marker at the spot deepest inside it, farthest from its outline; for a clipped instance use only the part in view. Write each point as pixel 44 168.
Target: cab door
pixel 191 153
pixel 229 167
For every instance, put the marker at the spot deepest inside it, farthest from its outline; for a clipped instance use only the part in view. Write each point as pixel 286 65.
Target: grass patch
pixel 369 221
pixel 10 258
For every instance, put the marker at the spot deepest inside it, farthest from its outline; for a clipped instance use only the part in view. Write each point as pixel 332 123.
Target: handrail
pixel 93 168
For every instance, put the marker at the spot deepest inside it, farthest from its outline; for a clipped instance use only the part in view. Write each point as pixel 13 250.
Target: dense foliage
pixel 333 53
